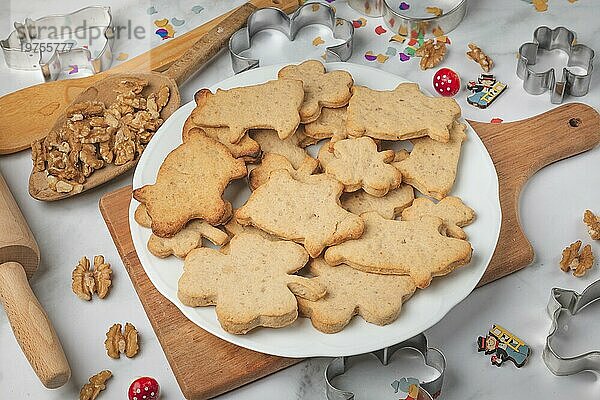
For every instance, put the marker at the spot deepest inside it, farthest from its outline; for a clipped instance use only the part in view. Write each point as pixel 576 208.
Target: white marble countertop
pixel 552 205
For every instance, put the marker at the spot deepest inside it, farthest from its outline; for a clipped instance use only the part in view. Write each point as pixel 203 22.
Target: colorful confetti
pixel 404 6
pixel 359 23
pixel 369 56
pixel 398 38
pixel 165 29
pixel 404 57
pixel 435 11
pixel 380 30
pixel 381 58
pixel 122 56
pixel 391 51
pixel 197 9
pixel 177 22
pixel 73 69
pixel 318 41
pixel 151 10
pixel 496 121
pixel 540 5
pixel 410 51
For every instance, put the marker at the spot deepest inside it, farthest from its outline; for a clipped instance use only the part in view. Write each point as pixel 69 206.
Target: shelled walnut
pixel 96 384
pixel 87 282
pixel 118 342
pixel 96 134
pixel 575 261
pixel 477 55
pixel 593 224
pixel 432 52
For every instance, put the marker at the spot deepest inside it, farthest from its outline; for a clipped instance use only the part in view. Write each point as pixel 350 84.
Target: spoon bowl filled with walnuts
pixel 104 131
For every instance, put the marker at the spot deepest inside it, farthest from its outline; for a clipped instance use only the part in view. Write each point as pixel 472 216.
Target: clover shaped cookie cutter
pixel 273 18
pixel 26 46
pixel 568 301
pixel 428 389
pixel 571 83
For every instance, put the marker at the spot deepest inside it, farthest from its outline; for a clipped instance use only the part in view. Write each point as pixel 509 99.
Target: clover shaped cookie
pixel 357 164
pixel 251 285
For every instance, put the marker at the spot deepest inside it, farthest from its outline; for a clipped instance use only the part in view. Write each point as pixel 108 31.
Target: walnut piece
pixel 432 53
pixel 96 134
pixel 118 342
pixel 575 261
pixel 593 224
pixel 477 55
pixel 87 282
pixel 96 384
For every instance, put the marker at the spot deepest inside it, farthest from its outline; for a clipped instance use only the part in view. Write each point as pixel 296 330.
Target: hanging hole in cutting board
pixel 574 122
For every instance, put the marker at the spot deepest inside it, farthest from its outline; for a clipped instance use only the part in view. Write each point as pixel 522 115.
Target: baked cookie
pixel 402 113
pixel 389 206
pixel 415 248
pixel 306 212
pixel 321 89
pixel 376 298
pixel 291 148
pixel 271 105
pixel 190 185
pixel 251 286
pixel 184 241
pixel 247 149
pixel 451 210
pixel 431 166
pixel 357 164
pixel 330 124
pixel 273 161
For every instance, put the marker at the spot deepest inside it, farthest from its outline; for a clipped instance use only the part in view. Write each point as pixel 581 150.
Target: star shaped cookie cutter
pixel 568 302
pixel 579 55
pixel 274 18
pixel 433 357
pixel 24 48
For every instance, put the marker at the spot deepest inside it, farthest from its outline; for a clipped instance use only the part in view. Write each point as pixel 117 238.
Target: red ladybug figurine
pixel 144 388
pixel 446 82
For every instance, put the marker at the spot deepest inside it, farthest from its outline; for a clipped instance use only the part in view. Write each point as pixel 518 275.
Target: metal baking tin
pixel 567 303
pixel 432 357
pixel 370 8
pixel 570 83
pixel 403 23
pixel 273 18
pixel 47 29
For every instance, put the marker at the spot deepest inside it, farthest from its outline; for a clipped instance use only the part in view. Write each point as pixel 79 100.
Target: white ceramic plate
pixel 476 184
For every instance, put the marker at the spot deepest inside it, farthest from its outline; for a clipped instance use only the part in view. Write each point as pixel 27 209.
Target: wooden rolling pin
pixel 28 114
pixel 19 259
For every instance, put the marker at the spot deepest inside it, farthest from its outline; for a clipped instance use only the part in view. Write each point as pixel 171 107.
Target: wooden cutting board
pixel 206 366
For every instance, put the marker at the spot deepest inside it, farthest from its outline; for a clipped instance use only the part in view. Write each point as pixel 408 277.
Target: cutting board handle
pixel 33 330
pixel 519 149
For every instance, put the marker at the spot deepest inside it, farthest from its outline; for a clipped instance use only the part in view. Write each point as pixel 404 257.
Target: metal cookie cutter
pixel 432 357
pixel 49 43
pixel 273 18
pixel 571 302
pixel 404 21
pixel 570 83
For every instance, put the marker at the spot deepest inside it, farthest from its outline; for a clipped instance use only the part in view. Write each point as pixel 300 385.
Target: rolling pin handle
pixel 32 328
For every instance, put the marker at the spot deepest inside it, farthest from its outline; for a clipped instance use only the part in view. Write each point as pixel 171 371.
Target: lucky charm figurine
pixel 503 346
pixel 485 90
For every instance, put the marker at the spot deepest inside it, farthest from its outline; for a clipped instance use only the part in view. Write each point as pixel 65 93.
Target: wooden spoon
pixel 28 114
pixel 179 72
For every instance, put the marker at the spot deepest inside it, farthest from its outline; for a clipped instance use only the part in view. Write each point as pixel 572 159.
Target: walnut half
pixel 593 224
pixel 432 53
pixel 118 342
pixel 86 282
pixel 575 261
pixel 96 384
